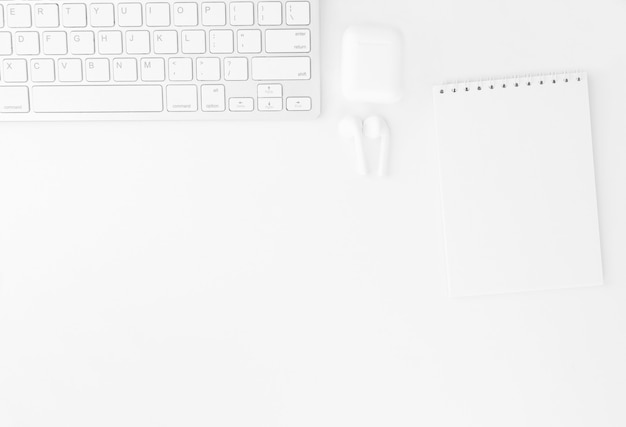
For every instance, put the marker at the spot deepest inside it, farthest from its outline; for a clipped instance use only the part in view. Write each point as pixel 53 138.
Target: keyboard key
pixel 1 16
pixel 281 68
pixel 241 13
pixel 14 71
pixel 138 42
pixel 298 13
pixel 125 70
pixel 270 91
pixel 46 15
pixel 102 15
pixel 74 15
pixel 70 70
pixel 97 99
pixel 299 104
pixel 270 104
pixel 185 14
pixel 241 104
pixel 97 70
pixel 158 14
pixel 213 98
pixel 42 70
pixel 270 13
pixel 193 41
pixel 208 69
pixel 288 41
pixel 14 99
pixel 129 15
pixel 110 42
pixel 18 16
pixel 6 47
pixel 236 69
pixel 180 69
pixel 153 69
pixel 27 43
pixel 214 14
pixel 165 42
pixel 54 43
pixel 182 98
pixel 249 41
pixel 221 41
pixel 82 43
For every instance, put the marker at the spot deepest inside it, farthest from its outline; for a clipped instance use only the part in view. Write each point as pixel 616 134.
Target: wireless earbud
pixel 351 127
pixel 376 127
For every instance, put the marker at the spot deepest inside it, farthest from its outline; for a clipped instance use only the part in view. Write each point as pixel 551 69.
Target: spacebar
pixel 97 99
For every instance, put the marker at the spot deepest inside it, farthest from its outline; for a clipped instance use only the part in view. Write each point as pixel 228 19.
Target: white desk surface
pixel 219 274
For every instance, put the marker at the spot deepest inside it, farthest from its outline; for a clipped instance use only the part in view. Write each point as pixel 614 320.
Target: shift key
pixel 281 68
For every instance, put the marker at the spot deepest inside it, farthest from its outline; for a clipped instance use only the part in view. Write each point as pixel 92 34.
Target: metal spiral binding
pixel 528 80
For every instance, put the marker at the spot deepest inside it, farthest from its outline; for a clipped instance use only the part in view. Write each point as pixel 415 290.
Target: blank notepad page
pixel 518 185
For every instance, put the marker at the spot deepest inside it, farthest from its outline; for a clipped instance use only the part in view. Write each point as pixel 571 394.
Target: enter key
pixel 288 41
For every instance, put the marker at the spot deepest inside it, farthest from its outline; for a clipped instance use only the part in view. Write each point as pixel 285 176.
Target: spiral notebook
pixel 518 185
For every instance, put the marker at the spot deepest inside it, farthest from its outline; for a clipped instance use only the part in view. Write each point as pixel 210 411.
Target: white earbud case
pixel 373 64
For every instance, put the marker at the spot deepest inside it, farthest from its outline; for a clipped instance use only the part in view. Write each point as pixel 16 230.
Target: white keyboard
pixel 158 60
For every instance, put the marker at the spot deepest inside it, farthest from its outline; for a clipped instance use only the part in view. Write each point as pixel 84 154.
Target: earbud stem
pixel 383 159
pixel 361 162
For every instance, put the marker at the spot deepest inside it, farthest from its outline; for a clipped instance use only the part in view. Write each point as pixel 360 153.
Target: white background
pixel 219 274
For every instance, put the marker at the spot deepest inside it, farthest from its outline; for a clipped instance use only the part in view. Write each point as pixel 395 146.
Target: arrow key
pixel 270 104
pixel 299 104
pixel 241 104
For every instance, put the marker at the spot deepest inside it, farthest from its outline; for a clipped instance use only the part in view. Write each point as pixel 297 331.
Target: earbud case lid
pixel 373 64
